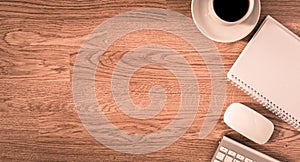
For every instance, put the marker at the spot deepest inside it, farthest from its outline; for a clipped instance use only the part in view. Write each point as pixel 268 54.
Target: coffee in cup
pixel 231 11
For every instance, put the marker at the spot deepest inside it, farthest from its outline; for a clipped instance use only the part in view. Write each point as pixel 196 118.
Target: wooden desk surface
pixel 38 121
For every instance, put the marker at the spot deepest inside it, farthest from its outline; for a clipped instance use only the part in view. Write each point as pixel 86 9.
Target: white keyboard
pixel 232 151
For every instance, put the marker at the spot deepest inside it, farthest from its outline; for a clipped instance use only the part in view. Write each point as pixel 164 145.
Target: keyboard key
pixel 231 153
pixel 223 149
pixel 236 160
pixel 216 161
pixel 220 156
pixel 248 160
pixel 240 157
pixel 228 159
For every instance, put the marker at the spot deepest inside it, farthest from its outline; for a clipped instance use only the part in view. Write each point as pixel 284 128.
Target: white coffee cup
pixel 215 17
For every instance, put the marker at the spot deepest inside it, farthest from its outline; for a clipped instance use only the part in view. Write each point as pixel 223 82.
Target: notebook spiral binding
pixel 264 101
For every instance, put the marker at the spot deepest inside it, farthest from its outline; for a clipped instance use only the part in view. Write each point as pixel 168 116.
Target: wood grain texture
pixel 39 41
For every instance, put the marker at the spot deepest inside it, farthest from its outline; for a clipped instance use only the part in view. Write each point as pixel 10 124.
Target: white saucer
pixel 219 32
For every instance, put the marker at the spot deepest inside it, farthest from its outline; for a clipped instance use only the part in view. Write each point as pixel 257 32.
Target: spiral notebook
pixel 268 69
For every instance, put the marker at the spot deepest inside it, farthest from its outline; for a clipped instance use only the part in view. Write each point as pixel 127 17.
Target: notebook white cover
pixel 269 70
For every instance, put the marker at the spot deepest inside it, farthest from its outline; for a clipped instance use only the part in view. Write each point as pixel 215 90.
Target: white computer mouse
pixel 249 123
